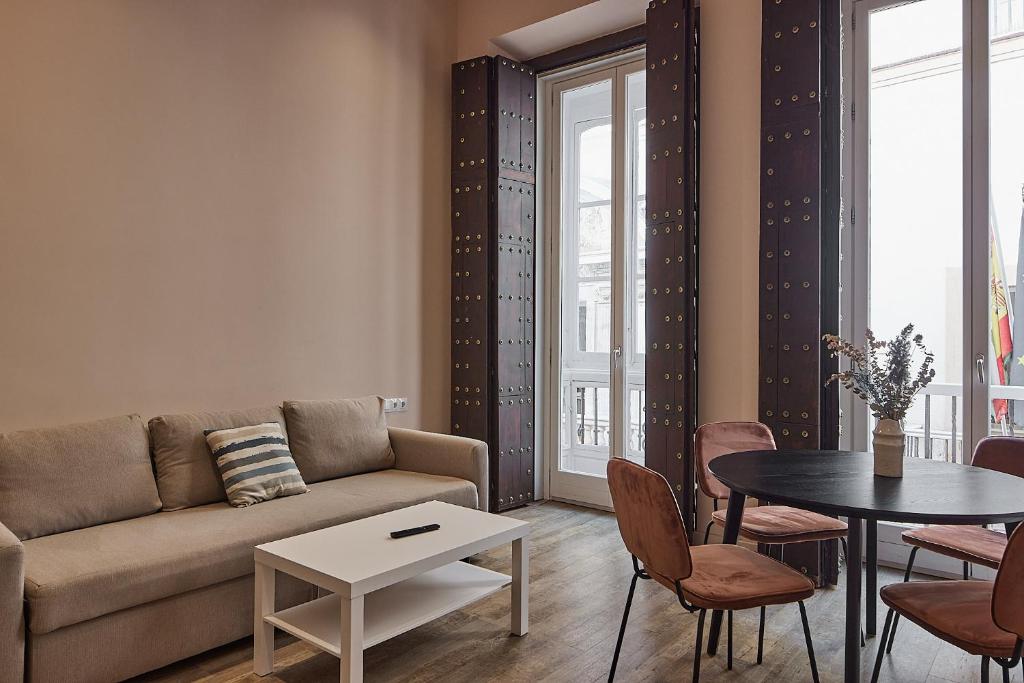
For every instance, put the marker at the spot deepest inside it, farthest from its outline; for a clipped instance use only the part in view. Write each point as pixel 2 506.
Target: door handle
pixel 979 364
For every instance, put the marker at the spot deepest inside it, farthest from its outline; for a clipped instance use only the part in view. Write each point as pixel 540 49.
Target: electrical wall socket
pixel 396 405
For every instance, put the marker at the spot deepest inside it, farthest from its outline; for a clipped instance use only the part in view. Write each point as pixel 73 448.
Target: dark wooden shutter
pixel 671 297
pixel 493 258
pixel 799 233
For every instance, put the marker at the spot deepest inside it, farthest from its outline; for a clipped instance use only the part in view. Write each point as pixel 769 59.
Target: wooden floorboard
pixel 579 575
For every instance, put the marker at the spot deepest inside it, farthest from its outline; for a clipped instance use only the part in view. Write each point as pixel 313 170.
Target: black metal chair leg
pixel 906 577
pixel 729 647
pixel 889 623
pixel 810 645
pixel 1006 674
pixel 760 637
pixel 846 550
pixel 707 531
pixel 984 670
pixel 697 648
pixel 622 629
pixel 967 570
pixel 910 564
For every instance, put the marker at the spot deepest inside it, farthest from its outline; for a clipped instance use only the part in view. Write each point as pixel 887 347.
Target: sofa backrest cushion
pixel 331 439
pixel 186 472
pixel 63 478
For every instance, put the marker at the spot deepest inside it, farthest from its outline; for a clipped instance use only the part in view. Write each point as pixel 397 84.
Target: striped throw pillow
pixel 255 463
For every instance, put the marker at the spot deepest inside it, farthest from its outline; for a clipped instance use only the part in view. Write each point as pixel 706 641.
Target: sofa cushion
pixel 75 476
pixel 185 471
pixel 255 463
pixel 84 574
pixel 331 439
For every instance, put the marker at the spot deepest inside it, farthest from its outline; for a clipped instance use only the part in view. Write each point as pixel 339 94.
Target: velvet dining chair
pixel 767 524
pixel 970 544
pixel 983 618
pixel 702 578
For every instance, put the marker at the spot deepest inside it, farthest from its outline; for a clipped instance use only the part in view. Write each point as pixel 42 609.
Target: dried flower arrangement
pixel 887 387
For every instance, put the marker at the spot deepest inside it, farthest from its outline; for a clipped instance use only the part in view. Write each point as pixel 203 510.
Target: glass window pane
pixel 915 181
pixel 595 161
pixel 1006 183
pixel 586 239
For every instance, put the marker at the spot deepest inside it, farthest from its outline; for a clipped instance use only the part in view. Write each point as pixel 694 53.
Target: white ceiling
pixel 594 20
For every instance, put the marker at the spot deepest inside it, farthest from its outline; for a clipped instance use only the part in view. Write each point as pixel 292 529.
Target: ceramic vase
pixel 889 445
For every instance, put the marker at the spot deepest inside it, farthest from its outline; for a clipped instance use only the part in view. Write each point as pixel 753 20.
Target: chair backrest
pixel 649 519
pixel 720 438
pixel 1000 453
pixel 1008 593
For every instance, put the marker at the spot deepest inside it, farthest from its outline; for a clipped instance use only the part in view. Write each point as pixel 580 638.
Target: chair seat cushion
pixel 83 574
pixel 773 524
pixel 732 577
pixel 969 543
pixel 959 612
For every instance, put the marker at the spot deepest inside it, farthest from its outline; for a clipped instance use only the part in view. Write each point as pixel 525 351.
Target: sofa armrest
pixel 452 456
pixel 12 607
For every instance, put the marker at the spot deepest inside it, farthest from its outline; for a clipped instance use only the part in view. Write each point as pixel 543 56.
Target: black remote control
pixel 415 530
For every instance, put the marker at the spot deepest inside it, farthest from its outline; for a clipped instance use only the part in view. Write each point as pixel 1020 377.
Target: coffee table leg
pixel 521 586
pixel 352 640
pixel 263 633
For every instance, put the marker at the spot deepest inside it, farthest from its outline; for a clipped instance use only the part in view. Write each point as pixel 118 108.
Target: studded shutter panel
pixel 493 290
pixel 671 305
pixel 797 200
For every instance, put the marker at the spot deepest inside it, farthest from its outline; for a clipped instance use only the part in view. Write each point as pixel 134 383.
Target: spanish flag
pixel 999 322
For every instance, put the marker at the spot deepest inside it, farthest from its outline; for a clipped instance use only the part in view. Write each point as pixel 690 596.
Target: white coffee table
pixel 382 587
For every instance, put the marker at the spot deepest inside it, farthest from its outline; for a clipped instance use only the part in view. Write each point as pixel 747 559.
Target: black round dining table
pixel 843 484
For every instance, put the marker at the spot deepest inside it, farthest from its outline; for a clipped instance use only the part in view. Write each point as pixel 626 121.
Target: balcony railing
pixel 934 429
pixel 939 436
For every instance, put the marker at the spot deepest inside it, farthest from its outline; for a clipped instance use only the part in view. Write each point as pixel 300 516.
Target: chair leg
pixel 760 637
pixel 910 563
pixel 889 623
pixel 707 531
pixel 896 620
pixel 622 629
pixel 1006 674
pixel 846 550
pixel 967 570
pixel 697 649
pixel 810 645
pixel 729 648
pixel 984 670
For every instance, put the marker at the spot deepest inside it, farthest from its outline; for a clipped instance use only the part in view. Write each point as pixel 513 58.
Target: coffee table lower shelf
pixel 393 610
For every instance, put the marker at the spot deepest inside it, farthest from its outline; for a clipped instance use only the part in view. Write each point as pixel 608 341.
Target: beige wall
pixel 730 168
pixel 479 21
pixel 219 204
pixel 223 204
pixel 730 215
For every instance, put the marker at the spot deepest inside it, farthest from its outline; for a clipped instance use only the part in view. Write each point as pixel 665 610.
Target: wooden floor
pixel 579 577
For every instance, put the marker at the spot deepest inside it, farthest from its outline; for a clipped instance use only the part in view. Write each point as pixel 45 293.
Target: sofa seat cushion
pixel 83 574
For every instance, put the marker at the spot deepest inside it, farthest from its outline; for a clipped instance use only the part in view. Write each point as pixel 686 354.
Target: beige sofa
pixel 119 553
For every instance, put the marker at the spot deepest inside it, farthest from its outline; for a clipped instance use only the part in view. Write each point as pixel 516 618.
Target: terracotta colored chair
pixel 971 544
pixel 983 618
pixel 707 577
pixel 767 524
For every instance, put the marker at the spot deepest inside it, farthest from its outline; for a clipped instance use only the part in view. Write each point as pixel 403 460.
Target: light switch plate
pixel 396 405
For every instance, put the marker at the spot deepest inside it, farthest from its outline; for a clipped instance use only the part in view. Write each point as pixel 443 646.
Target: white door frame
pixel 577 488
pixel 856 247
